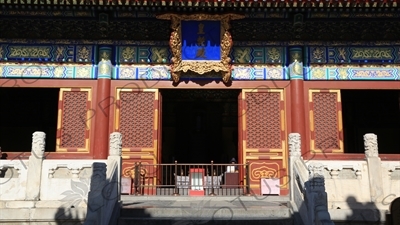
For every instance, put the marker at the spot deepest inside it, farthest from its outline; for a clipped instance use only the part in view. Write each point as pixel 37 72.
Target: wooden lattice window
pixel 263 120
pixel 136 119
pixel 74 120
pixel 326 121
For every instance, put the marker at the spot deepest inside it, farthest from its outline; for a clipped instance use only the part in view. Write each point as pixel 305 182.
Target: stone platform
pixel 41 213
pixel 205 210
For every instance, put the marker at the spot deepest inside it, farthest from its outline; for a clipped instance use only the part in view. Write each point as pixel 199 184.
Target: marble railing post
pixel 95 196
pixel 316 197
pixel 112 192
pixel 35 166
pixel 115 156
pixel 295 153
pixel 374 167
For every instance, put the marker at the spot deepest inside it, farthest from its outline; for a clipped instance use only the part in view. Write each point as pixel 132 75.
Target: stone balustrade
pixel 350 185
pixel 41 189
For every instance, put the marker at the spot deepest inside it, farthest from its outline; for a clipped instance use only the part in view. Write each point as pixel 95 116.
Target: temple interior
pixel 199 125
pixel 24 111
pixel 371 111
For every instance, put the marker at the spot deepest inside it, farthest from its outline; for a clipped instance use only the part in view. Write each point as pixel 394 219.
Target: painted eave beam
pixel 214 3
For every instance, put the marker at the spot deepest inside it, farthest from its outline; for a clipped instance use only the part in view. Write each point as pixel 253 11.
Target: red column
pixel 101 135
pixel 102 118
pixel 296 57
pixel 298 111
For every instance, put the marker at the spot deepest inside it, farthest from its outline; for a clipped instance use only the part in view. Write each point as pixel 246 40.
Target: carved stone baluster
pixel 95 195
pixel 374 167
pixel 115 156
pixel 35 166
pixel 334 170
pixel 295 154
pixel 358 174
pixel 115 144
pixel 316 176
pixel 75 170
pixel 294 145
pixel 334 173
pixel 52 170
pixel 371 145
pixel 317 198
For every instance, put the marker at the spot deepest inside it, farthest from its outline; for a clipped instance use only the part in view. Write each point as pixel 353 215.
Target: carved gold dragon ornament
pixel 201 67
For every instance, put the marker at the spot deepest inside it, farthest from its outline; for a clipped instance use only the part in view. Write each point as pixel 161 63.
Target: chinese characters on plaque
pixel 200 43
pixel 201 40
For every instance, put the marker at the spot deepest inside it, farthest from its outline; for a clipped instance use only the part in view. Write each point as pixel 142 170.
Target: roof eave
pixel 214 3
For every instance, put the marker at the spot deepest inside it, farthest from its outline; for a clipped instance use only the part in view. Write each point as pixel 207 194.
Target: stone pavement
pixel 171 209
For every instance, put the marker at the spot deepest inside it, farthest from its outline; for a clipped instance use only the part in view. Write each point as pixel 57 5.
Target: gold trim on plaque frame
pixel 201 67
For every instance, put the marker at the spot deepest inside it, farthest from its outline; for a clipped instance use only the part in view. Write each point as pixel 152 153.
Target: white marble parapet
pixel 339 165
pixel 60 179
pixel 13 175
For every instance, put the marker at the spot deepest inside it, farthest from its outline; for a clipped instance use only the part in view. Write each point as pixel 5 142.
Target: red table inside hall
pixel 231 180
pixel 196 178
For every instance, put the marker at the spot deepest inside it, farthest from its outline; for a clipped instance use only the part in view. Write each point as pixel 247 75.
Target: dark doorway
pixel 371 111
pixel 24 111
pixel 199 125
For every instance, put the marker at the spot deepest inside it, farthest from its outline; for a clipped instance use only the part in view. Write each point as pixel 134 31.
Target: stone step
pixel 221 212
pixel 125 221
pixel 205 210
pixel 41 212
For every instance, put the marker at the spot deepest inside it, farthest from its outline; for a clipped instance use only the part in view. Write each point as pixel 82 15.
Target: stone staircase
pixel 167 210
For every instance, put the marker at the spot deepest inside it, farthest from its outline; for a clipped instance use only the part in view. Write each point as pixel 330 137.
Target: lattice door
pixel 326 121
pixel 137 118
pixel 74 120
pixel 264 136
